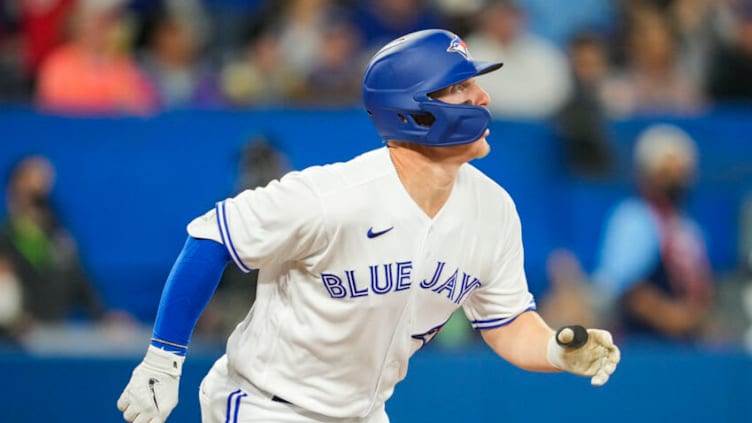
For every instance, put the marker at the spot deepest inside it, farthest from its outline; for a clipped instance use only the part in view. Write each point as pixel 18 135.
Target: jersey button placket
pixel 391 368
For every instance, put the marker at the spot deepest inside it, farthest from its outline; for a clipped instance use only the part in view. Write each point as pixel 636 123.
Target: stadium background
pixel 127 186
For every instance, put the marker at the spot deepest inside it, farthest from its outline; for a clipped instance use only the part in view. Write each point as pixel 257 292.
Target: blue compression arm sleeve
pixel 189 287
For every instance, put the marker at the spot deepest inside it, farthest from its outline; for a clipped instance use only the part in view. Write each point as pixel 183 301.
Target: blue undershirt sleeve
pixel 189 287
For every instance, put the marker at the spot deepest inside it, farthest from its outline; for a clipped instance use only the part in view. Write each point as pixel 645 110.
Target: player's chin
pixel 484 151
pixel 481 146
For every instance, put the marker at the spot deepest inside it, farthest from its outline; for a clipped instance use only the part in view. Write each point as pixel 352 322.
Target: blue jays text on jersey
pixel 393 277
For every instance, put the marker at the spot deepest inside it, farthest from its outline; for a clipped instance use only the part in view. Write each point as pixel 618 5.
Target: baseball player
pixel 361 263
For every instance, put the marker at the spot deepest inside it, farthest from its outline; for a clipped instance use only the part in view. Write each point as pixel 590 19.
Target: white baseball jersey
pixel 354 277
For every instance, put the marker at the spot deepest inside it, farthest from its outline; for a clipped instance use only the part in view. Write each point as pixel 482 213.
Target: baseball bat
pixel 573 336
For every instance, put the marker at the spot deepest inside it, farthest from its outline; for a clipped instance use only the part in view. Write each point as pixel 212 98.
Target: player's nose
pixel 481 97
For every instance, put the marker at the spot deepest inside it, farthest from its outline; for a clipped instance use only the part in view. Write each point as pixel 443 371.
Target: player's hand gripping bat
pixel 585 352
pixel 573 336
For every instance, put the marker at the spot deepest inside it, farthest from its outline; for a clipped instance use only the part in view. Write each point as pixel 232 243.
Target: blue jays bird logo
pixel 458 46
pixel 427 336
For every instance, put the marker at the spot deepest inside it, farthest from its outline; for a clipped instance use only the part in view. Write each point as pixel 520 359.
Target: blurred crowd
pixel 42 281
pixel 605 57
pixel 578 66
pixel 653 278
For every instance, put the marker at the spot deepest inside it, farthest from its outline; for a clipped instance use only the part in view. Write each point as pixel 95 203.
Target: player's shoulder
pixel 357 171
pixel 485 188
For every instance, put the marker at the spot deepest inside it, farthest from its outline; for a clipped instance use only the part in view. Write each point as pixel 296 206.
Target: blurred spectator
pixel 174 66
pixel 739 300
pixel 232 22
pixel 11 305
pixel 535 80
pixel 582 122
pixel 458 15
pixel 652 81
pixel 569 298
pixel 336 78
pixel 94 72
pixel 653 269
pixel 29 31
pixel 301 29
pixel 261 161
pixel 381 21
pixel 697 27
pixel 701 26
pixel 43 25
pixel 731 69
pixel 38 253
pixel 260 76
pixel 558 24
pixel 15 83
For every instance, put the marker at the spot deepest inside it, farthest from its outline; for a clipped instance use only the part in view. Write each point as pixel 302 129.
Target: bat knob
pixel 573 336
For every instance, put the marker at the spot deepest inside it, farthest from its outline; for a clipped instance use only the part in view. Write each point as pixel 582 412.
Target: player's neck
pixel 428 179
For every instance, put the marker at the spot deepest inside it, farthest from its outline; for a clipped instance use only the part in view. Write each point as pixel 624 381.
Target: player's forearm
pixel 189 287
pixel 523 342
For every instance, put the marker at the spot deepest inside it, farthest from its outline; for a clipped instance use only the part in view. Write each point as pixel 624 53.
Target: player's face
pixel 468 92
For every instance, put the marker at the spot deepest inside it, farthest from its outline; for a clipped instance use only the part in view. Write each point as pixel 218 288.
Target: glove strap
pixel 164 361
pixel 169 346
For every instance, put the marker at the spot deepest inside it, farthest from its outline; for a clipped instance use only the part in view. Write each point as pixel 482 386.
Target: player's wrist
pixel 163 361
pixel 555 353
pixel 169 346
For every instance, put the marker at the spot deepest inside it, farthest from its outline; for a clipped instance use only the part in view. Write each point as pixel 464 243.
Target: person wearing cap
pixel 361 263
pixel 653 270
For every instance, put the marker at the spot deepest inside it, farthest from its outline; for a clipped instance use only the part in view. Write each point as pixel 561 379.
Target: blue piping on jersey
pixel 229 405
pixel 224 232
pixel 504 321
pixel 237 406
pixel 531 303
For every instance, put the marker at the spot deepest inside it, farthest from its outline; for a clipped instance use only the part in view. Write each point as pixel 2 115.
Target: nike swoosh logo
pixel 372 234
pixel 153 382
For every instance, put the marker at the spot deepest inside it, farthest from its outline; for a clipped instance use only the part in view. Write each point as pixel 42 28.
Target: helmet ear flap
pixel 424 119
pixel 456 123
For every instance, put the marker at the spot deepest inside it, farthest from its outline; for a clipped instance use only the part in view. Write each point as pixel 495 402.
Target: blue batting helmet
pixel 400 77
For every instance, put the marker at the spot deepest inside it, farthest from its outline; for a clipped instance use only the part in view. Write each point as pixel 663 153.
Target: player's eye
pixel 457 88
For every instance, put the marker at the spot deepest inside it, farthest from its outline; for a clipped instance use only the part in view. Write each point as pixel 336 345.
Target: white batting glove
pixel 152 392
pixel 597 358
